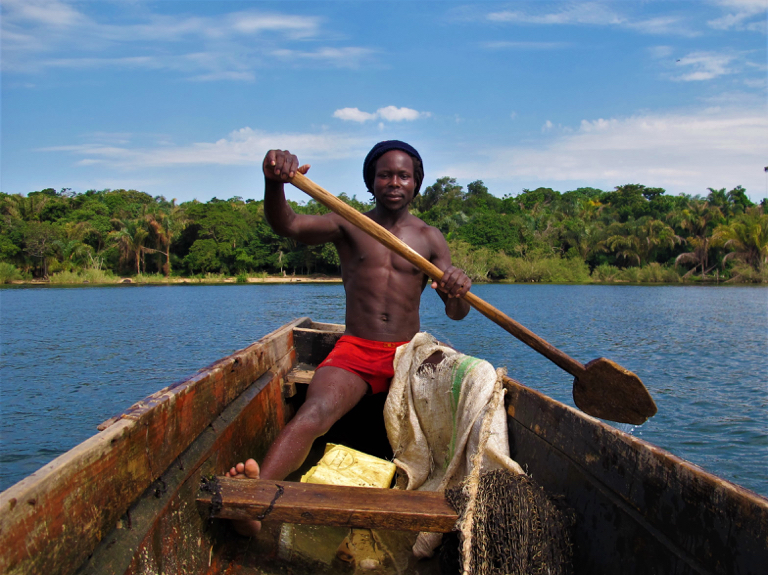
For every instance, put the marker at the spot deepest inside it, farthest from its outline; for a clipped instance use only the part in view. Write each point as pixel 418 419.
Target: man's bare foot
pixel 249 469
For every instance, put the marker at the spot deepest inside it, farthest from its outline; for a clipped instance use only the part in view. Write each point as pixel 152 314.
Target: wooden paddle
pixel 601 388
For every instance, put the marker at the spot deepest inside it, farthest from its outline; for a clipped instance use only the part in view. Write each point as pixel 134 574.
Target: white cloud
pixel 395 114
pixel 349 57
pixel 254 22
pixel 742 15
pixel 755 83
pixel 503 45
pixel 389 113
pixel 591 13
pixel 354 115
pixel 243 147
pixel 47 12
pixel 706 66
pixel 661 25
pixel 584 13
pixel 229 46
pixel 679 152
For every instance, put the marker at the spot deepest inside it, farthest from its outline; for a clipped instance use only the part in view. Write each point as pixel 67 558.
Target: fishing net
pixel 512 527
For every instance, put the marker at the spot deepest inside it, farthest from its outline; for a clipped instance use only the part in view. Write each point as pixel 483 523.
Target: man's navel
pixel 384 317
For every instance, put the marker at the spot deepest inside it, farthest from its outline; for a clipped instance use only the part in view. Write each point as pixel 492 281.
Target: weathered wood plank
pixel 52 520
pixel 163 532
pixel 332 505
pixel 334 327
pixel 300 375
pixel 314 345
pixel 637 504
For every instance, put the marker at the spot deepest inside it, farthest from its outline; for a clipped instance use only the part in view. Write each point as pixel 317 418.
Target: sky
pixel 183 98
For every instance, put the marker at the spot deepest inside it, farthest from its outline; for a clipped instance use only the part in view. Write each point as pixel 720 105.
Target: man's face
pixel 393 183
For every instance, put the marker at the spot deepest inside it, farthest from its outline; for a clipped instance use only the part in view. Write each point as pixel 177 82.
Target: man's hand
pixel 281 166
pixel 455 283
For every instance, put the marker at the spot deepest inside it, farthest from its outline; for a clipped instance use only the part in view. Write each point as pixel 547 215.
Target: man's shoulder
pixel 417 222
pixel 424 227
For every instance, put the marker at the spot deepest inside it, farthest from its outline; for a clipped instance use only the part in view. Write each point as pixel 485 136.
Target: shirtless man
pixel 383 294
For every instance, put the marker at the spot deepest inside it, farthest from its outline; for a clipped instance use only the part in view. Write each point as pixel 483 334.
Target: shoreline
pixel 185 281
pixel 323 279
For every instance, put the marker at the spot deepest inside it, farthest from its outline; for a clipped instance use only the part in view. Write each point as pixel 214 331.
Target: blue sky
pixel 183 98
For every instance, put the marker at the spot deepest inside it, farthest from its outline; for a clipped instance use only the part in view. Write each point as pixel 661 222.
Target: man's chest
pixel 363 251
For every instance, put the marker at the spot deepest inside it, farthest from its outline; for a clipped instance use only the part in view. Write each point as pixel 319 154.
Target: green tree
pixel 635 241
pixel 39 242
pixel 746 237
pixel 130 238
pixel 166 225
pixel 27 208
pixel 441 198
pixel 698 219
pixel 739 201
pixel 203 256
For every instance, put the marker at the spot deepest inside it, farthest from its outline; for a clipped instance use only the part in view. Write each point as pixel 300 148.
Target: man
pixel 383 293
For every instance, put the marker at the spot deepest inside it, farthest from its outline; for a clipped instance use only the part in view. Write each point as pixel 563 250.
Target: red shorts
pixel 371 360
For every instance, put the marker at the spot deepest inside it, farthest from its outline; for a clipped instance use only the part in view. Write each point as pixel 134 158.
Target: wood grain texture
pixel 332 505
pixel 639 508
pixel 52 520
pixel 313 345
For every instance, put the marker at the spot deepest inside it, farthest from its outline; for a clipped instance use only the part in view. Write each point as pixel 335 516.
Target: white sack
pixel 434 417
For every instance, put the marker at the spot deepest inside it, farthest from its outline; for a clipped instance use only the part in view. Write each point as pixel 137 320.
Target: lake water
pixel 73 357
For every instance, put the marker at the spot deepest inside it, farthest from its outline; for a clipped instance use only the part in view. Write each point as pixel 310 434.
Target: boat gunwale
pixel 53 519
pixel 662 493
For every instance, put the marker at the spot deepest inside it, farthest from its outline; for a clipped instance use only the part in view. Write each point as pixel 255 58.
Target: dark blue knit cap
pixel 369 165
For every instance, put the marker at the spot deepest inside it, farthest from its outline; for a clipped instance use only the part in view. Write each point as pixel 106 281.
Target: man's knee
pixel 315 417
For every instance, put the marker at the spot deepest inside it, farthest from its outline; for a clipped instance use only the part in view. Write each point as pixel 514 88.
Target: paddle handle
pixel 395 244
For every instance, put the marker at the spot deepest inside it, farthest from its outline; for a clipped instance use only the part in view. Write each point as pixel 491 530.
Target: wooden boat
pixel 124 501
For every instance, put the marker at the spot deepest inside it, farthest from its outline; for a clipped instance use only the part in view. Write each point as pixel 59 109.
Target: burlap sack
pixel 434 417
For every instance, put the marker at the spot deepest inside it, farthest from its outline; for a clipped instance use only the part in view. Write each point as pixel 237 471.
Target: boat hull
pixel 124 501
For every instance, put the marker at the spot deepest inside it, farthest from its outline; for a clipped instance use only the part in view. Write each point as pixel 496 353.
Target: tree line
pixel 632 233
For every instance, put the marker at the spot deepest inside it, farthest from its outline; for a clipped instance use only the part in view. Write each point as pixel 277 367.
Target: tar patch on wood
pixel 517 529
pixel 160 488
pixel 211 486
pixel 268 510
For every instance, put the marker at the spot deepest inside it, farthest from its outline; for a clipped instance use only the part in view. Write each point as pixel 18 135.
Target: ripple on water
pixel 79 356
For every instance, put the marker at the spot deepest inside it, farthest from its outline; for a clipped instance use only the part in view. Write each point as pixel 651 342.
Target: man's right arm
pixel 279 166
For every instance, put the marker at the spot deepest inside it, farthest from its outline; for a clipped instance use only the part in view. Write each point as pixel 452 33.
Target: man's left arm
pixel 454 283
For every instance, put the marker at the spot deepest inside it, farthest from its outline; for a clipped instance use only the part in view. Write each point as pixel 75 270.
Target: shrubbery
pixel 632 234
pixel 9 273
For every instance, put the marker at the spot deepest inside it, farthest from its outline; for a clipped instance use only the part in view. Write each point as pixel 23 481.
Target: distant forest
pixel 631 234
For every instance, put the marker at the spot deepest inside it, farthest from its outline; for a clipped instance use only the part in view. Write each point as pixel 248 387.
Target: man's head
pixel 369 165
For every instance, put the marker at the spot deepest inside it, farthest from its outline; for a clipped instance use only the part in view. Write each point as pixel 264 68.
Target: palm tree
pixel 73 251
pixel 584 236
pixel 636 240
pixel 166 225
pixel 746 236
pixel 719 199
pixel 27 208
pixel 130 240
pixel 697 218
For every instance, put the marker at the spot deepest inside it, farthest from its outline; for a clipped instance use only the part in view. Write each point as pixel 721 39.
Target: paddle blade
pixel 608 391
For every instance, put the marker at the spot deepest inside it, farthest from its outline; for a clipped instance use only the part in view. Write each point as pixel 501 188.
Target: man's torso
pixel 383 289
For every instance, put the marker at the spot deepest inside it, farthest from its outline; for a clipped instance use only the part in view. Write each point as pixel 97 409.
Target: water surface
pixel 73 357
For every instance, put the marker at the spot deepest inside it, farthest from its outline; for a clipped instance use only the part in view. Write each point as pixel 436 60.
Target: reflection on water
pixel 73 357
